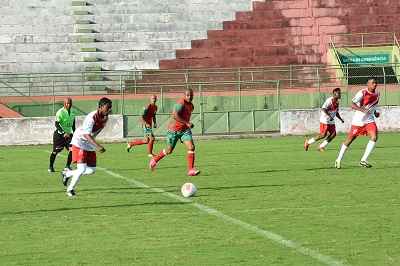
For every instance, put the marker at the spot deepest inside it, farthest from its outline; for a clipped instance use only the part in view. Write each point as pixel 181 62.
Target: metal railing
pixel 289 87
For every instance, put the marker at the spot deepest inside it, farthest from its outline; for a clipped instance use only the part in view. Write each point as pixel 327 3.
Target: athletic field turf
pixel 259 202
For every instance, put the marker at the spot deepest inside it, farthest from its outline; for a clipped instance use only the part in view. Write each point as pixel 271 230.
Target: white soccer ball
pixel 188 190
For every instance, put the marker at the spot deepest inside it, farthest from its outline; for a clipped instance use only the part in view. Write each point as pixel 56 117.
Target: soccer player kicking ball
pixel 363 123
pixel 179 128
pixel 330 110
pixel 84 145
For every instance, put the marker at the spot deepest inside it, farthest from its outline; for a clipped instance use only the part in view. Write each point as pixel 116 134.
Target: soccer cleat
pixel 321 148
pixel 66 168
pixel 50 170
pixel 337 165
pixel 193 172
pixel 152 163
pixel 150 155
pixel 128 148
pixel 71 193
pixel 306 145
pixel 64 179
pixel 365 164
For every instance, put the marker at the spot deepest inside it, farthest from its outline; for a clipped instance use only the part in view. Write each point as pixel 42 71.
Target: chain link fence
pixel 274 88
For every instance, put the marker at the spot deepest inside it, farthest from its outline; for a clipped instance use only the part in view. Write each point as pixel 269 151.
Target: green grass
pixel 259 202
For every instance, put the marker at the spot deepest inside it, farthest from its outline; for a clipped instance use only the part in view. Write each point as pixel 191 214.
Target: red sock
pixel 150 147
pixel 159 156
pixel 138 142
pixel 191 159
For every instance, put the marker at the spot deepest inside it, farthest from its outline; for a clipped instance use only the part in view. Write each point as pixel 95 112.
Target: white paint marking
pixel 277 238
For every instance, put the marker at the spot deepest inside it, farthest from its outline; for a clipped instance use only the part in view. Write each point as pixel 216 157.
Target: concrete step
pixel 106 37
pixel 36 3
pixel 111 56
pixel 129 8
pixel 76 66
pixel 107 27
pixel 119 18
pixel 99 46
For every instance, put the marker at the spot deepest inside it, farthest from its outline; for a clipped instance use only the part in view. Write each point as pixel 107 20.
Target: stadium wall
pixel 299 122
pixel 31 131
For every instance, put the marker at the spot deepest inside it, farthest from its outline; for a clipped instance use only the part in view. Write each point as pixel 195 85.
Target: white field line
pixel 277 238
pixel 272 236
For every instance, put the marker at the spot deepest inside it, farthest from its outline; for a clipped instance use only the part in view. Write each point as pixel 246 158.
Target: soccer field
pixel 260 201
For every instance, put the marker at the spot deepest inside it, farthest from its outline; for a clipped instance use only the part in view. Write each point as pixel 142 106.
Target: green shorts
pixel 147 131
pixel 174 136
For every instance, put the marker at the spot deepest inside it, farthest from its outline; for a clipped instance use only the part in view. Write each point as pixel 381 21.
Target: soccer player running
pixel 363 123
pixel 330 109
pixel 84 144
pixel 148 119
pixel 65 125
pixel 179 128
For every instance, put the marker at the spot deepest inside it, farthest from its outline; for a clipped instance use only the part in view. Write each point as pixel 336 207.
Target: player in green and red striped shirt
pixel 179 128
pixel 148 118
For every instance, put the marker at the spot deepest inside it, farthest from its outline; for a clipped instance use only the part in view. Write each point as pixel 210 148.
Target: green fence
pixel 226 100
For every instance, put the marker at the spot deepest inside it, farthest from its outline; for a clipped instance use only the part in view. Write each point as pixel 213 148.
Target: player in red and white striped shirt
pixel 363 123
pixel 84 145
pixel 330 110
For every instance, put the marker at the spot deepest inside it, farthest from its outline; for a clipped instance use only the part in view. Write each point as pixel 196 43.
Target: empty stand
pixel 64 36
pixel 278 32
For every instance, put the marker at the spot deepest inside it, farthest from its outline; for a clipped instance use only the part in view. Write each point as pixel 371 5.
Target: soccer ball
pixel 188 190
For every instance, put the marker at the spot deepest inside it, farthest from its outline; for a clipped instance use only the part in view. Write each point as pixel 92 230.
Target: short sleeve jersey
pixel 332 106
pixel 66 119
pixel 368 100
pixel 148 112
pixel 185 110
pixel 93 125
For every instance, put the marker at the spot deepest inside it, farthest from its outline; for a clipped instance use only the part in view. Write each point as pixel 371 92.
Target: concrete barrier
pixel 300 122
pixel 39 130
pixel 31 131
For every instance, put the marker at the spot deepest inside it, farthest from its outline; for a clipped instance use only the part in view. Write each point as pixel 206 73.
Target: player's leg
pixel 69 158
pixel 150 140
pixel 354 132
pixel 140 141
pixel 187 139
pixel 322 130
pixel 332 135
pixel 53 156
pixel 172 138
pixel 373 135
pixel 79 156
pixel 56 149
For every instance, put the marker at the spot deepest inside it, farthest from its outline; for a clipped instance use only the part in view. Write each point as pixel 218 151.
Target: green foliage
pixel 251 192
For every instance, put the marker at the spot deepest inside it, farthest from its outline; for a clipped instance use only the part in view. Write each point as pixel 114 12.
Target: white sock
pixel 90 170
pixel 311 141
pixel 76 175
pixel 341 153
pixel 323 144
pixel 368 150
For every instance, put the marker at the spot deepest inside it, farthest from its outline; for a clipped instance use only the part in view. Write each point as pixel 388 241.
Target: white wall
pixel 300 122
pixel 28 131
pixel 39 130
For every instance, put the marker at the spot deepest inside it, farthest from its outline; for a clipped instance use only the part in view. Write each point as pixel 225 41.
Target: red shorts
pixel 79 154
pixel 325 128
pixel 362 131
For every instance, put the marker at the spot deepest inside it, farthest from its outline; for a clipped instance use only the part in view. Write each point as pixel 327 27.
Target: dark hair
pixel 372 77
pixel 336 90
pixel 104 101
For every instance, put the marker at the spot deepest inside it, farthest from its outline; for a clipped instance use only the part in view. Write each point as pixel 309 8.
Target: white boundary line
pixel 277 238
